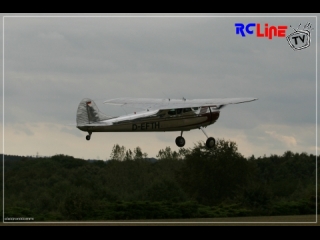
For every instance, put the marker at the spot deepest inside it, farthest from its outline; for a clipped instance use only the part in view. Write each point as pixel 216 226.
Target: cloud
pixel 289 141
pixel 53 63
pixel 51 35
pixel 23 129
pixel 74 131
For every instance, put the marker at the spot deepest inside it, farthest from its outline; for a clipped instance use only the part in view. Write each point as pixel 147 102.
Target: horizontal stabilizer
pixel 96 124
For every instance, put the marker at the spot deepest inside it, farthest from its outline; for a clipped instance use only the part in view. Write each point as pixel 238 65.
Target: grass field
pixel 297 220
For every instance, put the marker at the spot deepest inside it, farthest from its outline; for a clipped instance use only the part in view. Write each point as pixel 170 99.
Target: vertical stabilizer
pixel 88 112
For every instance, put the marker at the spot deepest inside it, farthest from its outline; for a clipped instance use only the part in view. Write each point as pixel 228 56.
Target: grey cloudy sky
pixel 51 63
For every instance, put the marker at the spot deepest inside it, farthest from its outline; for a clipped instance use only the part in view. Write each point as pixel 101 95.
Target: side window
pixel 179 111
pixel 172 112
pixel 187 110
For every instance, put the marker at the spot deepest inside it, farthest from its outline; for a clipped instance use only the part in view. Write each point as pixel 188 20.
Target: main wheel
pixel 180 141
pixel 88 137
pixel 211 142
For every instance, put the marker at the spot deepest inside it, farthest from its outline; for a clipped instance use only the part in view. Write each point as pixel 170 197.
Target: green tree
pixel 211 176
pixel 129 155
pixel 167 153
pixel 78 204
pixel 138 155
pixel 118 153
pixel 165 190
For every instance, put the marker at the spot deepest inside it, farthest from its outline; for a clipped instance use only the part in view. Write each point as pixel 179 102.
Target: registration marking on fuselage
pixel 146 126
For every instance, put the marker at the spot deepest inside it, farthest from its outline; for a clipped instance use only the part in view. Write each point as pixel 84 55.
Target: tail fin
pixel 88 112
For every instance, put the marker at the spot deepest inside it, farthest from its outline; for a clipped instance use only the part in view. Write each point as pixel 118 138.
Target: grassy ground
pixel 298 220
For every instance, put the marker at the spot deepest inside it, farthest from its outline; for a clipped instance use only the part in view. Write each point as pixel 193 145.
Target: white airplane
pixel 160 115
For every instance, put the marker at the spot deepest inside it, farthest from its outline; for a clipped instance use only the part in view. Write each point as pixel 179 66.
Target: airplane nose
pixel 215 115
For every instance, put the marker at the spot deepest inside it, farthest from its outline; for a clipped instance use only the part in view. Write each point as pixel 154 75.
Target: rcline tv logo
pixel 300 39
pixel 268 31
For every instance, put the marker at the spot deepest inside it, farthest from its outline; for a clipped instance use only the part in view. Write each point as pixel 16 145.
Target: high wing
pixel 151 103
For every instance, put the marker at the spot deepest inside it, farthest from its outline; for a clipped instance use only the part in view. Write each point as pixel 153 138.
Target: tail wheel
pixel 88 137
pixel 211 142
pixel 180 141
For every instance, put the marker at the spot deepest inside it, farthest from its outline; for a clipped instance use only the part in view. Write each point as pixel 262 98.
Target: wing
pixel 150 103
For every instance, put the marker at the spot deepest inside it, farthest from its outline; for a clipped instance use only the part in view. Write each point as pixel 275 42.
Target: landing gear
pixel 211 142
pixel 88 136
pixel 180 141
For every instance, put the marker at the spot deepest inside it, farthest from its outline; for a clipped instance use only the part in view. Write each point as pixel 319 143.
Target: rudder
pixel 88 112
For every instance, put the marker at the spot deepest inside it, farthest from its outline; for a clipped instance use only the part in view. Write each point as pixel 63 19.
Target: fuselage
pixel 182 119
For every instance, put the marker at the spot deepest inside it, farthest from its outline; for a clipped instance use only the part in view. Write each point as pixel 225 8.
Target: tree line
pixel 193 182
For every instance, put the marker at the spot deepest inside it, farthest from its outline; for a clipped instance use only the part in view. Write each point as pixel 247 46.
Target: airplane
pixel 159 115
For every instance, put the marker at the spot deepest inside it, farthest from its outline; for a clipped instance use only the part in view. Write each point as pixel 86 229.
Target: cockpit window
pixel 172 112
pixel 179 111
pixel 195 108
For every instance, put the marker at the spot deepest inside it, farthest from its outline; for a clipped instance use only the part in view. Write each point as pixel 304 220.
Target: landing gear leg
pixel 88 136
pixel 180 141
pixel 211 142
